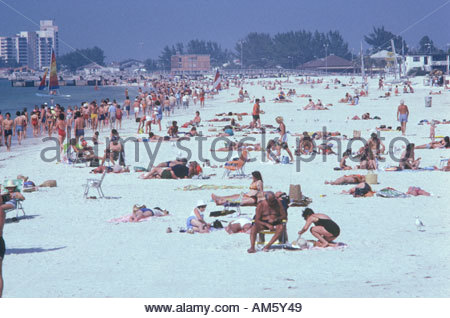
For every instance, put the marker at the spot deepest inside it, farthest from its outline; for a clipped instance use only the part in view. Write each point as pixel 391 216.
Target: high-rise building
pixel 47 39
pixel 31 40
pixel 8 51
pixel 31 48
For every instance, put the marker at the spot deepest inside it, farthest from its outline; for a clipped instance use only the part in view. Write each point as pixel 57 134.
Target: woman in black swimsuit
pixel 325 229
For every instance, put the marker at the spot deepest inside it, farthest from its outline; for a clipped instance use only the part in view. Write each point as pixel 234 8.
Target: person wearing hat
pixel 195 221
pixel 7 201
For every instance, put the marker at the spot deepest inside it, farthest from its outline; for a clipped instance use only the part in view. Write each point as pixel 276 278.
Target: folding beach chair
pixel 19 184
pixel 94 183
pixel 235 168
pixel 261 242
pixel 234 204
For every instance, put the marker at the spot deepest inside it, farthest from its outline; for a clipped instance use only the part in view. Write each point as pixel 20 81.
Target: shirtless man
pixel 18 126
pixel 7 130
pixel 255 114
pixel 79 126
pixel 402 115
pixel 127 105
pixel 269 215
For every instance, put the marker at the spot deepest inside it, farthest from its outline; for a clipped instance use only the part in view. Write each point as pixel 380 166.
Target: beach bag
pixel 371 177
pixel 217 224
pixel 295 193
pixel 284 160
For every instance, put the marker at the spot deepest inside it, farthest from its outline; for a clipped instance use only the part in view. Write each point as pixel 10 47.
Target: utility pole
pixel 326 58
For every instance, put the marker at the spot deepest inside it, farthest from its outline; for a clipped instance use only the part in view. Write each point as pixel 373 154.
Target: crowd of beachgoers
pixel 77 130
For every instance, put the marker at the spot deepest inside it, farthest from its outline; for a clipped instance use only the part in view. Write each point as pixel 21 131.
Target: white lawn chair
pixel 19 207
pixel 94 183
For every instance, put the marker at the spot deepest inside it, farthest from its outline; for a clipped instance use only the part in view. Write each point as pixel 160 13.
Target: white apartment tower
pixel 31 48
pixel 47 38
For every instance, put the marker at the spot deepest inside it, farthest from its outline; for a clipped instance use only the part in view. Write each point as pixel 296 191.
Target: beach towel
pixel 391 193
pixel 126 219
pixel 192 187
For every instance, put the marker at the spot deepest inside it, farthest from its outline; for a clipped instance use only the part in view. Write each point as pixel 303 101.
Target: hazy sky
pixel 141 28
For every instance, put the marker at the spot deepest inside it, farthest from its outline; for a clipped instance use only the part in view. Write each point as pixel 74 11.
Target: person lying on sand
pixel 255 195
pixel 227 132
pixel 177 171
pixel 269 215
pixel 241 225
pixel 350 179
pixel 324 229
pixel 142 212
pixel 443 143
pixel 359 191
pixel 416 191
pixel 115 169
pixel 384 128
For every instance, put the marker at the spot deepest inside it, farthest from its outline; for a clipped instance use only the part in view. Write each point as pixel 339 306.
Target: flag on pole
pixel 217 81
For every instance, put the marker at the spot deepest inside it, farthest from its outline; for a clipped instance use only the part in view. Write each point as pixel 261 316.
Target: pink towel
pixel 126 219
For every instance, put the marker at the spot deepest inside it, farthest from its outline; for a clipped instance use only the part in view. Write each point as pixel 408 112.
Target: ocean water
pixel 16 98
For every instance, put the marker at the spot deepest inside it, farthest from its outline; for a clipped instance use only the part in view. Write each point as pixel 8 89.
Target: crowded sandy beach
pixel 165 191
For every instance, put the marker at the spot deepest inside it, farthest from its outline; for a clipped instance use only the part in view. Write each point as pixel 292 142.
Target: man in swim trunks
pixel 18 126
pixel 7 130
pixel 270 215
pixel 325 229
pixel 255 114
pixel 402 115
pixel 78 126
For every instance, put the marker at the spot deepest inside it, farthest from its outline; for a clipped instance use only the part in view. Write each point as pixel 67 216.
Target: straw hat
pixel 10 184
pixel 201 203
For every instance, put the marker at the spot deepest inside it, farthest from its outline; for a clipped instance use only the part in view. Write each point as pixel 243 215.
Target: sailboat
pixel 53 86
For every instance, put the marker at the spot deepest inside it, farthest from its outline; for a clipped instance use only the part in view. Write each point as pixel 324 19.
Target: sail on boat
pixel 53 85
pixel 42 84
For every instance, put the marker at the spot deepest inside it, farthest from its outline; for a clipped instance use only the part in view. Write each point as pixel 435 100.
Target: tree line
pixel 262 50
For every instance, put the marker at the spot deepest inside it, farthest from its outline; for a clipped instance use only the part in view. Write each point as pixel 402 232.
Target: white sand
pixel 66 247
